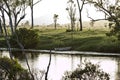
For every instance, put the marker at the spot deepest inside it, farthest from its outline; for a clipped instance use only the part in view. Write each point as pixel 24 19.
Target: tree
pixel 1 29
pixel 15 11
pixel 27 23
pixel 88 72
pixel 71 11
pixel 14 72
pixel 5 30
pixel 80 7
pixel 110 8
pixel 29 38
pixel 31 4
pixel 55 17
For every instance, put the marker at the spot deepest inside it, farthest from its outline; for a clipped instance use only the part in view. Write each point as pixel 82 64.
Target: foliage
pixel 111 9
pixel 114 32
pixel 12 70
pixel 68 30
pixel 15 10
pixel 28 37
pixel 88 72
pixel 87 40
pixel 71 9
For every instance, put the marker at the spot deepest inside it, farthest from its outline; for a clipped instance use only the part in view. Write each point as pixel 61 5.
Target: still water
pixel 67 62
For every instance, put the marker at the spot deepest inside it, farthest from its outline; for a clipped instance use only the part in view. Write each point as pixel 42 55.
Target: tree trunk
pixel 80 20
pixel 22 47
pixel 6 35
pixel 55 25
pixel 32 21
pixel 80 15
pixel 11 24
pixel 1 29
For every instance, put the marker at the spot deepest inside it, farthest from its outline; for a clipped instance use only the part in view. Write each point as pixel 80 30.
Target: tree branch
pixel 94 19
pixel 36 2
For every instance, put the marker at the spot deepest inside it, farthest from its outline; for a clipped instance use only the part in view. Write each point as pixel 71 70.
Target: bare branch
pixel 94 20
pixel 22 17
pixel 36 2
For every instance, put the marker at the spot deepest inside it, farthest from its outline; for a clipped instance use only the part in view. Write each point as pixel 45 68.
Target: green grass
pixel 86 40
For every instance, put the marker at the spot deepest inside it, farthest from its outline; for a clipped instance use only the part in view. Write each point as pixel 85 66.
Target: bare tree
pixel 55 17
pixel 80 7
pixel 31 4
pixel 13 9
pixel 72 13
pixel 110 8
pixel 5 32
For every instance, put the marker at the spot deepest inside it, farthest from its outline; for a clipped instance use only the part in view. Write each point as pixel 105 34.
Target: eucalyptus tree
pixel 111 9
pixel 15 11
pixel 1 29
pixel 81 4
pixel 3 24
pixel 55 17
pixel 72 13
pixel 31 4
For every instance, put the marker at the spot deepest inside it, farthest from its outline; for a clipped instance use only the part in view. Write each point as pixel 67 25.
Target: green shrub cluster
pixel 27 37
pixel 12 70
pixel 89 72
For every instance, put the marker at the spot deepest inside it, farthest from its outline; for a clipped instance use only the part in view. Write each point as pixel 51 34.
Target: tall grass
pixel 87 40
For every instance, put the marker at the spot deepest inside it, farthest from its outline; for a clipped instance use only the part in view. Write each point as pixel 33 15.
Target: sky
pixel 44 11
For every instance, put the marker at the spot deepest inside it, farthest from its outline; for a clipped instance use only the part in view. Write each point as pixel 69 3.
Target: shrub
pixel 89 72
pixel 12 70
pixel 69 30
pixel 28 38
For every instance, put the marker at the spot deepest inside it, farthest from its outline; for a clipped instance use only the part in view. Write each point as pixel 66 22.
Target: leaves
pixel 29 38
pixel 90 71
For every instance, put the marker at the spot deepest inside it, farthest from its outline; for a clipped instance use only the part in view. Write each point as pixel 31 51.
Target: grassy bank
pixel 87 40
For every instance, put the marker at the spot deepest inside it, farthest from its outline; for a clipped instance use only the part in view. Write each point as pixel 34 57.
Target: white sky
pixel 44 11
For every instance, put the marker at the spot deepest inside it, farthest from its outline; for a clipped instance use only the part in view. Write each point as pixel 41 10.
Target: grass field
pixel 90 39
pixel 87 40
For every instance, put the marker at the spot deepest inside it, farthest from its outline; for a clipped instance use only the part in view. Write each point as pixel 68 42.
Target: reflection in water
pixel 62 62
pixel 21 56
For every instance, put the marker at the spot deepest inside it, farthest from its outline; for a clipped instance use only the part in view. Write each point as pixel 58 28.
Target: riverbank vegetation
pixel 87 70
pixel 12 36
pixel 88 40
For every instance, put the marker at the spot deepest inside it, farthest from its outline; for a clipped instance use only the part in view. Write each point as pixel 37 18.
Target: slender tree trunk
pixel 48 67
pixel 1 29
pixel 32 21
pixel 71 24
pixel 6 35
pixel 80 20
pixel 80 14
pixel 11 23
pixel 55 25
pixel 22 47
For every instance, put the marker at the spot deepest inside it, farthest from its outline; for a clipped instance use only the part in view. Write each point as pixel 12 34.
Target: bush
pixel 89 72
pixel 69 30
pixel 28 38
pixel 12 70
